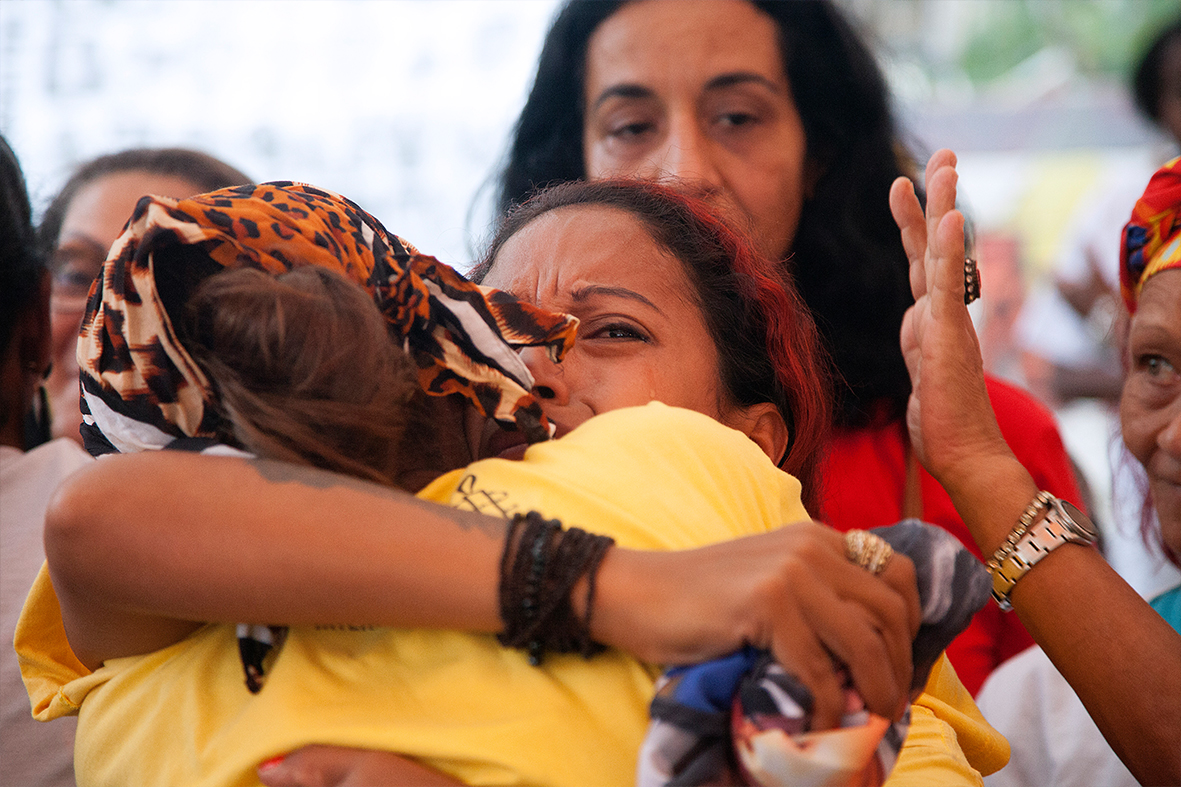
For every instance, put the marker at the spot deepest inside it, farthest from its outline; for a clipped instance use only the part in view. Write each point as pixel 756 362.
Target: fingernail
pixel 272 762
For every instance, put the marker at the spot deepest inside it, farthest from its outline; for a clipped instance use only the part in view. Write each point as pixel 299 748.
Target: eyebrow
pixel 85 241
pixel 720 82
pixel 581 294
pixel 1153 330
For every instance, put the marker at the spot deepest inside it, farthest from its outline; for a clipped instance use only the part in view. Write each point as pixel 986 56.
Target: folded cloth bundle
pixel 743 719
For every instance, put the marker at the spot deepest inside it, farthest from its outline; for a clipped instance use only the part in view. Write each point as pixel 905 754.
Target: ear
pixel 764 424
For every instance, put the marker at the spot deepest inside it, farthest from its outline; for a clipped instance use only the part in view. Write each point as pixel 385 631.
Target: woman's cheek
pixel 1139 418
pixel 1166 500
pixel 64 326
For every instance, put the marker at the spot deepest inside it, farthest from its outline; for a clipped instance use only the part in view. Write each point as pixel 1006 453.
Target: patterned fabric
pixel 1151 240
pixel 743 719
pixel 141 389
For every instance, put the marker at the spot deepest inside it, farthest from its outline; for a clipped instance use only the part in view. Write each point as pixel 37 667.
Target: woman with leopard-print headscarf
pixel 245 318
pixel 634 470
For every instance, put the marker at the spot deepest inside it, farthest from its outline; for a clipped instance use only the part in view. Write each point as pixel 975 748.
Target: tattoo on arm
pixel 315 478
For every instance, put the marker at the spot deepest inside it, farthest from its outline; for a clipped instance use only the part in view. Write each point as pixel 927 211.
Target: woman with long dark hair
pixel 778 115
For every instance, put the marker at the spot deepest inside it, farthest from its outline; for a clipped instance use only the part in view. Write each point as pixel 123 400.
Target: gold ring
pixel 971 280
pixel 867 550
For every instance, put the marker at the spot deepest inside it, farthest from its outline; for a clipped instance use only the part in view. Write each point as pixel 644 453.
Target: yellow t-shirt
pixel 458 702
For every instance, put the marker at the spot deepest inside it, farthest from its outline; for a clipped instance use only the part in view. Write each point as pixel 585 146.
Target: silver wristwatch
pixel 1062 524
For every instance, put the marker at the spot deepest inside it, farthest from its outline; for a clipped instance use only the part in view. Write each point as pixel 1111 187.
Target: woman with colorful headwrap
pixel 1120 655
pixel 647 462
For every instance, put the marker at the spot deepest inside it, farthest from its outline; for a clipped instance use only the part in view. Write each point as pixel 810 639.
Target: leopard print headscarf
pixel 141 389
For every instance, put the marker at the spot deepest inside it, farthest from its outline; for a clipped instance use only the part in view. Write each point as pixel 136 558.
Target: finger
pixel 312 766
pixel 946 279
pixel 871 621
pixel 941 195
pixel 940 158
pixel 883 687
pixel 874 641
pixel 939 178
pixel 941 190
pixel 908 215
pixel 800 652
pixel 900 575
pixel 856 641
pixel 889 600
pixel 382 767
pixel 888 610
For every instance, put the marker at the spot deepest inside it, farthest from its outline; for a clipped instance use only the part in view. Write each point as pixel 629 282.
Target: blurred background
pixel 405 105
pixel 401 105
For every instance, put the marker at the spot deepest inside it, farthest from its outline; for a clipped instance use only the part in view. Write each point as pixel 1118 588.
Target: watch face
pixel 1080 520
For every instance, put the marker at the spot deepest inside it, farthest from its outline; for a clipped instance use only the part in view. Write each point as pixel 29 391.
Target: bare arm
pixel 1121 658
pixel 337 766
pixel 143 545
pixel 143 548
pixel 135 566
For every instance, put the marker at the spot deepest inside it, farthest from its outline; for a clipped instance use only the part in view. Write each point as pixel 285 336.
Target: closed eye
pixel 631 130
pixel 737 119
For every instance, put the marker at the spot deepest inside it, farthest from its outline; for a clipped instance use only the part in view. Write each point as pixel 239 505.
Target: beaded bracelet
pixel 540 565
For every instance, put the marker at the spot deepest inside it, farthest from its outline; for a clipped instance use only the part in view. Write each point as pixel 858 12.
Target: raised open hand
pixel 949 416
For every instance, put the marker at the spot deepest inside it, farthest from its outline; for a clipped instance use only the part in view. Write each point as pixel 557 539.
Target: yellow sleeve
pixel 54 678
pixel 949 741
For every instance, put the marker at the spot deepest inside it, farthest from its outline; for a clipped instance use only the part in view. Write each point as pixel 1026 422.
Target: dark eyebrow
pixel 720 82
pixel 589 291
pixel 625 90
pixel 78 239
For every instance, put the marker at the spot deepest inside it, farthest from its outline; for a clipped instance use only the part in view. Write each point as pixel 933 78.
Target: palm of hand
pixel 948 415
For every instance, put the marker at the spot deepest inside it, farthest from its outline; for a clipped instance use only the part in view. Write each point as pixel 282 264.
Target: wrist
pixel 541 566
pixel 1046 524
pixel 990 494
pixel 621 596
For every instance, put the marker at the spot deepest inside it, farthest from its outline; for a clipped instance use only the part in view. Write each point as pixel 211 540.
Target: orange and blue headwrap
pixel 1151 240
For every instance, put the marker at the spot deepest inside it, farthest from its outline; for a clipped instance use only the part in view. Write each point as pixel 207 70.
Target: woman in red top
pixel 778 115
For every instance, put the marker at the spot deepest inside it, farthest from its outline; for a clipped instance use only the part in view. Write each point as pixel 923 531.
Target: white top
pixel 31 753
pixel 1052 739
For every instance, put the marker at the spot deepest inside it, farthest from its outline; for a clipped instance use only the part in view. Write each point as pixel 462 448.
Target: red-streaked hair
pixel 767 344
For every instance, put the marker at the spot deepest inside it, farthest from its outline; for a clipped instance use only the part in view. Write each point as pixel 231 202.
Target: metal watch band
pixel 1062 524
pixel 1041 501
